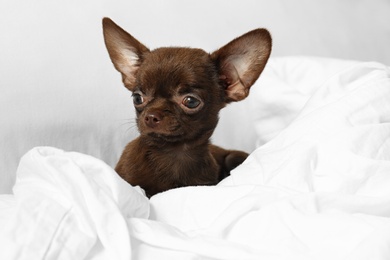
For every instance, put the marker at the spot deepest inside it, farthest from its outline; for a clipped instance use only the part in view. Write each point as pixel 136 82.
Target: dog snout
pixel 153 119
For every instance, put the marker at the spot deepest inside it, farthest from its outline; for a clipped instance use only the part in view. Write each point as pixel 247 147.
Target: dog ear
pixel 241 61
pixel 125 51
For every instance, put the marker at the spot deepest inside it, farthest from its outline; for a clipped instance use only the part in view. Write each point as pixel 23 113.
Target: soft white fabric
pixel 318 190
pixel 66 204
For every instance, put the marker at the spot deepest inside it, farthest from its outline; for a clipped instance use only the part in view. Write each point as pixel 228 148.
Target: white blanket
pixel 320 189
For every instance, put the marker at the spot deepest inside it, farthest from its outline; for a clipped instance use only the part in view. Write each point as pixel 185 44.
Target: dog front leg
pixel 227 159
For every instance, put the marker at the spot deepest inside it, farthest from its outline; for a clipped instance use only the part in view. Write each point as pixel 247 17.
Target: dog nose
pixel 153 119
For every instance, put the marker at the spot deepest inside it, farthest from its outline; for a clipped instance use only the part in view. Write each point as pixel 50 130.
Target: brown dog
pixel 177 95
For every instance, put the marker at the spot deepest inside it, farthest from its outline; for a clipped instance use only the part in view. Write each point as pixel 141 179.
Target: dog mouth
pixel 173 132
pixel 168 138
pixel 165 131
pixel 159 138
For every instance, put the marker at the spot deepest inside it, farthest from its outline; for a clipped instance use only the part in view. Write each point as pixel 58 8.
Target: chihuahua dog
pixel 177 94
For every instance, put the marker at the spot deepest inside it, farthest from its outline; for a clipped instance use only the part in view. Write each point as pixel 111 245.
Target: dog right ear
pixel 241 61
pixel 125 51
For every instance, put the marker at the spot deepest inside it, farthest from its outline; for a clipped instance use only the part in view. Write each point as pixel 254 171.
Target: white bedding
pixel 317 189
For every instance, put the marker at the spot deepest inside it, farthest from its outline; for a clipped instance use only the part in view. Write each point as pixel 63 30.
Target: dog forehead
pixel 176 66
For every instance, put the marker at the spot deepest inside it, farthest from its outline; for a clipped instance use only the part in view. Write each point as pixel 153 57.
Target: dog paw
pixel 230 162
pixel 234 158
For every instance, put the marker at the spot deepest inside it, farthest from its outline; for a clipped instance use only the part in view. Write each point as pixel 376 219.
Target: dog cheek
pixel 140 124
pixel 170 125
pixel 202 125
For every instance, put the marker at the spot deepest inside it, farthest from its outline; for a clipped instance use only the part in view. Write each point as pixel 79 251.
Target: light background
pixel 58 86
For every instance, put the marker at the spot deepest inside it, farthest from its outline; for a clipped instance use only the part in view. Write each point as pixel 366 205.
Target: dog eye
pixel 137 99
pixel 191 102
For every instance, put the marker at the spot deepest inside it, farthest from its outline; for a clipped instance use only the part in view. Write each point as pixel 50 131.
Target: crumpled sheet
pixel 319 190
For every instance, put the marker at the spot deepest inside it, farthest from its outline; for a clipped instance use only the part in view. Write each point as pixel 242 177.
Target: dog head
pixel 178 92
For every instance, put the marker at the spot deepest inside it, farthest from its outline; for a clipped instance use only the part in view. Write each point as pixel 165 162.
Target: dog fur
pixel 177 94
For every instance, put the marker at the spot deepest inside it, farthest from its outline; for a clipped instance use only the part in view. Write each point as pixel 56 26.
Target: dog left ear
pixel 241 61
pixel 125 51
